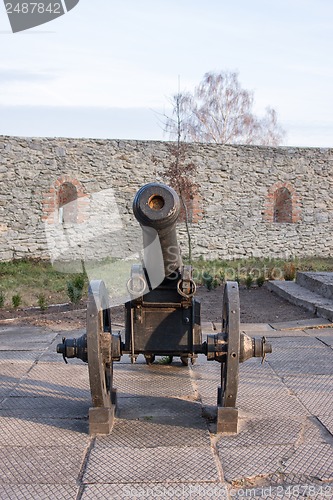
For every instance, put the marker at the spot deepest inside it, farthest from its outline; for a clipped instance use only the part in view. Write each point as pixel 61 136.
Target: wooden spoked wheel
pixel 231 333
pixel 99 344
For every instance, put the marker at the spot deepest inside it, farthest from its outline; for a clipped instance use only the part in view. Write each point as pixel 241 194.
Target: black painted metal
pixel 156 207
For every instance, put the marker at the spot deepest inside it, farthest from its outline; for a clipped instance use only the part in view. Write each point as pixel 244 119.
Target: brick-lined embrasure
pixel 282 204
pixel 56 198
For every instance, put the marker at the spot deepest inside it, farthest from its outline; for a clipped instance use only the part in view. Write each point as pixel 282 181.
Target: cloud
pixel 19 75
pixel 63 121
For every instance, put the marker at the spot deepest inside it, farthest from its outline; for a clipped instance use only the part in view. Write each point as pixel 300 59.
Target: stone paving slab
pixel 45 407
pixel 38 491
pixel 210 327
pixel 17 430
pixel 40 465
pixel 155 380
pixel 54 380
pixel 300 355
pixel 266 431
pixel 315 392
pixel 251 461
pixel 159 464
pixel 314 332
pixel 160 439
pixel 183 491
pixel 327 421
pixel 257 384
pixel 326 339
pixel 324 335
pixel 156 432
pixel 276 334
pixel 13 372
pixel 301 324
pixel 5 389
pixel 282 404
pixel 316 459
pixel 300 342
pixel 140 407
pixel 255 327
pixel 293 491
pixel 15 357
pixel 25 338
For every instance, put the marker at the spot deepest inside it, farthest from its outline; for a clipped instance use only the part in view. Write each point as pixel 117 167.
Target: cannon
pixel 162 318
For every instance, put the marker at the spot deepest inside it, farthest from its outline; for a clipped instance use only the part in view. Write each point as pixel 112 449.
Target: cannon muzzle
pixel 156 207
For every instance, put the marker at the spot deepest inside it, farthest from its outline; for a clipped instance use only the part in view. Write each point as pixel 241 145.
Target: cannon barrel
pixel 156 207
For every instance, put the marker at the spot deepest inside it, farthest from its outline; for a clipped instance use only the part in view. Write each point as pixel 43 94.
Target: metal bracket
pixel 186 286
pixel 137 284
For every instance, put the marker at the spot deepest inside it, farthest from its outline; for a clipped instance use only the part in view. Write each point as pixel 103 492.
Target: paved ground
pixel 161 445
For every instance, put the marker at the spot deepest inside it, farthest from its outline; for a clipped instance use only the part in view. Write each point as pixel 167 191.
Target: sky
pixel 108 69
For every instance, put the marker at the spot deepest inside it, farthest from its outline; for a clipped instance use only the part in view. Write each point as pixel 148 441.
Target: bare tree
pixel 178 168
pixel 220 111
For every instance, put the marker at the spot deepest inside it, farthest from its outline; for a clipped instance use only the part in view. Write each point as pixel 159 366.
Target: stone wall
pixel 234 214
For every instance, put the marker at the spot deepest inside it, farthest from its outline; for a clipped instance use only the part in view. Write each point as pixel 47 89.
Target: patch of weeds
pixel 210 281
pixel 271 274
pixel 222 277
pixel 42 302
pixel 16 300
pixel 75 288
pixel 2 299
pixel 289 271
pixel 260 280
pixel 249 281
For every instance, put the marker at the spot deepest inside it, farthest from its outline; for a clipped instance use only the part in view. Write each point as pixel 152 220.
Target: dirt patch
pixel 257 305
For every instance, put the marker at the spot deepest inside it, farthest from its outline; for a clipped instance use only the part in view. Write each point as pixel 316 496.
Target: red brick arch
pixel 282 204
pixel 53 199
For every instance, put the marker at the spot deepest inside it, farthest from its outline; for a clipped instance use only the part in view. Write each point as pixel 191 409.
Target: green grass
pixel 32 279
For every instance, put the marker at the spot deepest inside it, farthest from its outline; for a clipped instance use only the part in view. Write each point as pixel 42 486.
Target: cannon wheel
pixel 99 342
pixel 227 413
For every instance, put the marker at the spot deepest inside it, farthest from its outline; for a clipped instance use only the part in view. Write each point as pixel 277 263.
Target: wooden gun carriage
pixel 162 318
